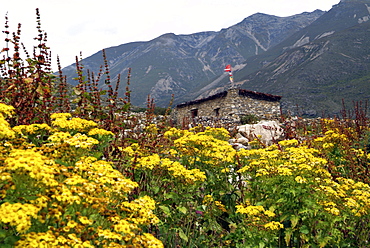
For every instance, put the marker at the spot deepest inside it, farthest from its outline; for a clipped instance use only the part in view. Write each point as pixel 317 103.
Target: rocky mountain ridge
pixel 184 64
pixel 314 60
pixel 318 67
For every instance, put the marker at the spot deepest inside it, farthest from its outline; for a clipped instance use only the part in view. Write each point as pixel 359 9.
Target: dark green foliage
pixel 249 119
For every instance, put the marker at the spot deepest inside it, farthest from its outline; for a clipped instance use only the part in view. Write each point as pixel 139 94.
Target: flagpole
pixel 231 78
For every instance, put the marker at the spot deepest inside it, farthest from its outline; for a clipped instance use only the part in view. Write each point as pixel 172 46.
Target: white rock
pixel 266 131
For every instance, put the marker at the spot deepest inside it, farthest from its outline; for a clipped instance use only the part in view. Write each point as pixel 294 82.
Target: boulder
pixel 241 139
pixel 267 132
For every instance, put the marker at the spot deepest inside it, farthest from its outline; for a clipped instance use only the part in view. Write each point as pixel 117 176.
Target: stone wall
pixel 229 106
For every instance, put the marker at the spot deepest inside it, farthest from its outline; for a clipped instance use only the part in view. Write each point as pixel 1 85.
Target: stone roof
pixel 259 95
pixel 242 92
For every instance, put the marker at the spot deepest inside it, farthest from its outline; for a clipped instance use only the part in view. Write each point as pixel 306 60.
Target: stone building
pixel 229 106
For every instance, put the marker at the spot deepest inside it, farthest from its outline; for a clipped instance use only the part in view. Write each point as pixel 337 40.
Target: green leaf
pixel 165 209
pixel 98 154
pixel 3 234
pixel 156 189
pixel 324 241
pixel 304 229
pixel 294 219
pixel 170 195
pixel 10 241
pixel 182 210
pixel 288 235
pixel 182 235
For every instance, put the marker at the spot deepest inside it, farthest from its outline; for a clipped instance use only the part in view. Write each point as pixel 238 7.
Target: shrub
pixel 249 119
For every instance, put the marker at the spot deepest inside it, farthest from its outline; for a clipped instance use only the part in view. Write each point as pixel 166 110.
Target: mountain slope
pixel 318 75
pixel 184 64
pixel 318 66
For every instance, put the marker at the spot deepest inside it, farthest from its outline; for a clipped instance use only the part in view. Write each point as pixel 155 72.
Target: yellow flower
pixel 84 220
pixel 32 129
pixel 273 225
pixel 333 211
pixel 6 110
pixel 58 137
pixel 107 234
pixel 262 172
pixel 286 143
pixel 32 164
pixel 300 179
pixel 284 171
pixel 269 213
pixel 207 199
pixel 147 240
pixel 99 131
pixel 74 124
pixel 5 130
pixel 61 116
pixel 250 210
pixel 149 162
pixel 220 206
pixel 82 141
pixel 18 215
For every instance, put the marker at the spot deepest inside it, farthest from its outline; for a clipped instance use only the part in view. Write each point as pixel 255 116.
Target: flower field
pixel 191 189
pixel 87 173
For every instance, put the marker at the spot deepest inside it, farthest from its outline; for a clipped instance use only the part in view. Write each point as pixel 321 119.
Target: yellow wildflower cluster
pixel 6 110
pixel 18 215
pixel 32 129
pixel 206 147
pixel 210 202
pixel 187 154
pixel 149 162
pixel 5 130
pixel 254 211
pixel 273 225
pixel 179 171
pixel 174 133
pixel 288 143
pixel 304 166
pixel 147 240
pixel 81 140
pixel 258 215
pixel 354 196
pixel 81 201
pixel 331 139
pixel 59 137
pixel 131 150
pixel 33 164
pixel 62 121
pixel 100 131
pixel 142 210
pixel 101 175
pixel 49 239
pixel 299 162
pixel 175 168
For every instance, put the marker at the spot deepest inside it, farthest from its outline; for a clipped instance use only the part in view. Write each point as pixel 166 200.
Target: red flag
pixel 228 68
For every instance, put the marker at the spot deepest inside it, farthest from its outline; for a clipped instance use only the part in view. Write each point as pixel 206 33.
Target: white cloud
pixel 91 25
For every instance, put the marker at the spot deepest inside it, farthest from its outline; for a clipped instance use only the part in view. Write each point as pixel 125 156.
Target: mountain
pixel 330 64
pixel 317 67
pixel 314 60
pixel 184 65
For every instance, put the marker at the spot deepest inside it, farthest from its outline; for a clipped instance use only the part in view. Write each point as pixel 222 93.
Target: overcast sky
pixel 91 25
